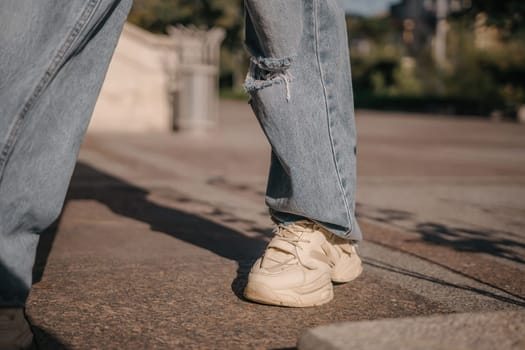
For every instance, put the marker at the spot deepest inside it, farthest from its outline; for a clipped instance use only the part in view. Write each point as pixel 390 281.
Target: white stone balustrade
pixel 161 83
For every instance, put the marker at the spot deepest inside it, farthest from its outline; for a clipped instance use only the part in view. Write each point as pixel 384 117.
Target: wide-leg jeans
pixel 53 58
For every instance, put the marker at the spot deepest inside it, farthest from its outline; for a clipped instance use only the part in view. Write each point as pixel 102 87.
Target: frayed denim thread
pixel 265 72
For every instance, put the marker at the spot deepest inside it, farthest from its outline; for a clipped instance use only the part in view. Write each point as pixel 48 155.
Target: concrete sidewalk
pixel 503 330
pixel 159 231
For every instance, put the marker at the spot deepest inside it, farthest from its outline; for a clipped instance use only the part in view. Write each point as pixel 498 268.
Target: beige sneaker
pixel 299 266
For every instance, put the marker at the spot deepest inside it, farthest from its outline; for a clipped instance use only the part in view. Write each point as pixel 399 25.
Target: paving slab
pixel 468 331
pixel 159 231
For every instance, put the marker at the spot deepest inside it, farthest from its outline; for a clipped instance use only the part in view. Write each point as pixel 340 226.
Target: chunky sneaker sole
pixel 299 266
pixel 314 294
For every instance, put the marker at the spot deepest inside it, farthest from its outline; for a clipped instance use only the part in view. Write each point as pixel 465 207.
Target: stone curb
pixel 480 331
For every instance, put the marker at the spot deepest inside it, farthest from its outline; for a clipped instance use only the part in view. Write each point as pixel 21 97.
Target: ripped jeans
pixel 301 92
pixel 53 58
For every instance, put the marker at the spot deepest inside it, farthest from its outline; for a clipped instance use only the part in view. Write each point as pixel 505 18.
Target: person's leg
pixel 53 59
pixel 301 92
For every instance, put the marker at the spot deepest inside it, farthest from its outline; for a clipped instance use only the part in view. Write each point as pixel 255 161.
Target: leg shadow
pixel 46 340
pixel 492 242
pixel 43 250
pixel 131 201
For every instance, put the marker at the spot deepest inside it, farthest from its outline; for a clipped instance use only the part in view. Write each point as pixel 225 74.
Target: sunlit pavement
pixel 159 231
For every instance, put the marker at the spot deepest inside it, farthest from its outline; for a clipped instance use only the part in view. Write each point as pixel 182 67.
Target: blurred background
pixel 455 57
pixel 452 56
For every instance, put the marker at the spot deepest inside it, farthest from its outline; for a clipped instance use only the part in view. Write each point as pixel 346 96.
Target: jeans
pixel 301 92
pixel 53 58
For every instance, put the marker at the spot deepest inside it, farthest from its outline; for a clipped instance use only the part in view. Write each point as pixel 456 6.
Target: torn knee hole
pixel 265 72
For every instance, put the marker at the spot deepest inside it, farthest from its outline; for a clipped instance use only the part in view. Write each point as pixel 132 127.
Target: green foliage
pixel 478 79
pixel 507 15
pixel 377 29
pixel 155 15
pixel 495 73
pixel 372 74
pixel 406 83
pixel 475 80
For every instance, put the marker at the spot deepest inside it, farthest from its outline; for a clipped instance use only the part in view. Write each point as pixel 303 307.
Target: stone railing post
pixel 194 88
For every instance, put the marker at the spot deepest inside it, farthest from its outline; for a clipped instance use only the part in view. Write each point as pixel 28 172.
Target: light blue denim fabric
pixel 53 58
pixel 301 92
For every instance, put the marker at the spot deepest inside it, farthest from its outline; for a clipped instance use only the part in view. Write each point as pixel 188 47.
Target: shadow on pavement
pixel 43 339
pixel 44 248
pixel 469 240
pixel 131 201
pixel 46 340
pixel 464 240
pixel 486 241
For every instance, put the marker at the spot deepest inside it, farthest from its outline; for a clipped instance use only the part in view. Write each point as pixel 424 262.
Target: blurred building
pixel 160 83
pixel 424 23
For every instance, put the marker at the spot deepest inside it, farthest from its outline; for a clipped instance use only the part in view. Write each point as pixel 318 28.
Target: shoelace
pixel 293 238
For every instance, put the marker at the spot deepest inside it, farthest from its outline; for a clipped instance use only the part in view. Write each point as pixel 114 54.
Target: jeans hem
pixel 351 233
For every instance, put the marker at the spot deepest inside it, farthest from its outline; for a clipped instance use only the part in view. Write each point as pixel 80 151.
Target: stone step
pixel 480 331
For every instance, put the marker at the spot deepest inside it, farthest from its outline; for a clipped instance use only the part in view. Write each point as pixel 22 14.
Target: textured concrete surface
pixel 158 234
pixel 496 330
